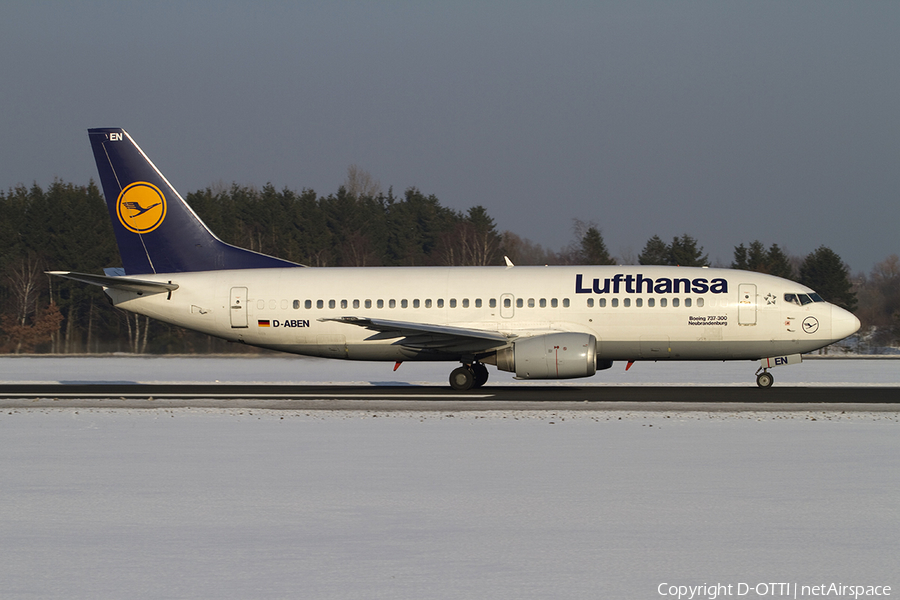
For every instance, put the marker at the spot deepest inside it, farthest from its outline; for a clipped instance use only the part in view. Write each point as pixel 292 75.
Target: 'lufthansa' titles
pixel 638 284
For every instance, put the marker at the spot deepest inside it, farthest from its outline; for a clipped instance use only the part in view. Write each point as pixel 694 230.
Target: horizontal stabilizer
pixel 119 283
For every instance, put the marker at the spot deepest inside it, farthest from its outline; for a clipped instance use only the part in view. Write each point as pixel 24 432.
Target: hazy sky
pixel 777 121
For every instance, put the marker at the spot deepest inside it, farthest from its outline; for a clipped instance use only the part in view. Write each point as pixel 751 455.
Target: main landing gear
pixel 468 376
pixel 764 379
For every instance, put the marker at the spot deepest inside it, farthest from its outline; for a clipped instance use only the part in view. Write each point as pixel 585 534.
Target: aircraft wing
pixel 426 336
pixel 119 283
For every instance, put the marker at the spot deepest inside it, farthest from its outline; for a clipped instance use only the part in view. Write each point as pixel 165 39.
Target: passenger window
pixel 404 303
pixel 675 302
pixel 452 302
pixel 356 303
pixel 428 303
pixel 615 302
pixel 320 304
pixel 331 304
pixel 565 303
pixel 531 303
pixel 368 303
pixel 296 304
pixel 700 302
pixel 416 303
pixel 651 302
pixel 639 302
pixel 343 304
pixel 662 302
pixel 544 302
pixel 392 303
pixel 307 304
pixel 379 303
pixel 687 302
pixel 519 303
pixel 590 302
pixel 507 303
pixel 627 302
pixel 492 303
pixel 477 302
pixel 602 302
pixel 440 303
pixel 465 303
pixel 554 303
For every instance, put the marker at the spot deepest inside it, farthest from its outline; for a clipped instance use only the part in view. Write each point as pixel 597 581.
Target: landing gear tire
pixel 481 374
pixel 462 379
pixel 765 380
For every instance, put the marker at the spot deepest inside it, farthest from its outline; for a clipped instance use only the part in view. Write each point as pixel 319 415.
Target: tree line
pixel 66 226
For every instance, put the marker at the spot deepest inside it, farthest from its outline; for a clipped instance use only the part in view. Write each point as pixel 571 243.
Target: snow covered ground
pixel 302 370
pixel 203 503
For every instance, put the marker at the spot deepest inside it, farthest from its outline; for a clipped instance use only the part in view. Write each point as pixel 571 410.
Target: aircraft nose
pixel 843 323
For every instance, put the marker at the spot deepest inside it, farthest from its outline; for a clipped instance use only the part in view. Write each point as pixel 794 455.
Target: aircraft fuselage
pixel 708 314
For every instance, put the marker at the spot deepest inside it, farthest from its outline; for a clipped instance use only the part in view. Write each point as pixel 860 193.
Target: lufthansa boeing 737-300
pixel 552 322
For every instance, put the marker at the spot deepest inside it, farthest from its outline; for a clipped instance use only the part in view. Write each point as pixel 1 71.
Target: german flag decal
pixel 262 323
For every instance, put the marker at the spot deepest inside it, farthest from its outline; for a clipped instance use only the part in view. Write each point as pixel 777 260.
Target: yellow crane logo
pixel 141 207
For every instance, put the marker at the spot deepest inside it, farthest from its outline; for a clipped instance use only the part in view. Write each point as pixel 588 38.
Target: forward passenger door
pixel 747 304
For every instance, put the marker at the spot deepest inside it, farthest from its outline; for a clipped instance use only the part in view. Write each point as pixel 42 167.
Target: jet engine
pixel 551 356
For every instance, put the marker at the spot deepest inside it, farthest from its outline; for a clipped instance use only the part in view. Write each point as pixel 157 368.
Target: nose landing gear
pixel 764 379
pixel 468 376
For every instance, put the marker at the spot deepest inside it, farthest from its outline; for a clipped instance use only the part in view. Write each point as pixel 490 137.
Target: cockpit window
pixel 803 299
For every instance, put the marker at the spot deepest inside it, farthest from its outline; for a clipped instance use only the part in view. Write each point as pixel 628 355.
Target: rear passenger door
pixel 238 304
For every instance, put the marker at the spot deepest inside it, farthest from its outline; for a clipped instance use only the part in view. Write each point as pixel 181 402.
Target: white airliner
pixel 538 322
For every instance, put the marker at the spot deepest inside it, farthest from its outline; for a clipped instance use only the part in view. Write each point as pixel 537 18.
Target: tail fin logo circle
pixel 141 207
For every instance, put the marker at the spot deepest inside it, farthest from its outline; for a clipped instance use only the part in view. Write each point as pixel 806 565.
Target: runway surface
pixel 439 398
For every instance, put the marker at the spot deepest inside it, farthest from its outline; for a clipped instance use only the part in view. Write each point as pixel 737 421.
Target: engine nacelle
pixel 551 356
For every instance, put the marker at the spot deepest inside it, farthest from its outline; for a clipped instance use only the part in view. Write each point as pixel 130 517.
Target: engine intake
pixel 551 356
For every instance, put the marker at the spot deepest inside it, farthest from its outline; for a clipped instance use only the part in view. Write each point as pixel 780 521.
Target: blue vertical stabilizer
pixel 157 232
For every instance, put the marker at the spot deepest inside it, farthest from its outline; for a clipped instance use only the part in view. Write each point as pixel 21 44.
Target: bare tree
pixel 361 184
pixel 137 334
pixel 25 278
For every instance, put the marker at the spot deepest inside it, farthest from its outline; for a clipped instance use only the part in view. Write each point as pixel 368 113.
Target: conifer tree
pixel 655 252
pixel 778 263
pixel 825 272
pixel 756 257
pixel 484 244
pixel 773 261
pixel 740 258
pixel 593 248
pixel 684 252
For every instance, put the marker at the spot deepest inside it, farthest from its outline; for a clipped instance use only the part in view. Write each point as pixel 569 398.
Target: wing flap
pixel 428 336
